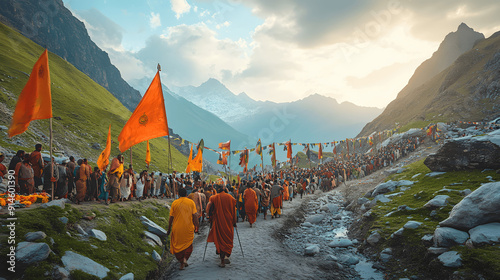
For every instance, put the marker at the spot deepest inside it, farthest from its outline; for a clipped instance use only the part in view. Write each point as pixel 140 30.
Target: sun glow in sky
pixel 282 50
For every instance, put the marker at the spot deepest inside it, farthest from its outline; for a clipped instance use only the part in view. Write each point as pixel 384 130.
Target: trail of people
pixel 265 257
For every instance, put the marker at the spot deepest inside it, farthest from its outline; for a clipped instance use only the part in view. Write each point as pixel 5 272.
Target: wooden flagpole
pixel 130 155
pixel 51 161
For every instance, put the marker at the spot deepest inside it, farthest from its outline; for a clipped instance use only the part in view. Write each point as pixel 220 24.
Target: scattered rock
pixel 60 273
pixel 362 200
pixel 63 220
pixel 332 258
pixel 128 276
pixel 412 225
pixel 427 239
pixel 374 238
pixel 96 146
pixel 153 237
pixel 385 257
pixel 434 174
pixel 307 224
pixel 447 237
pixel 485 234
pixel 450 259
pixel 437 250
pixel 58 202
pixel 399 232
pixel 80 230
pixel 348 260
pixel 315 219
pixel 311 250
pixel 340 242
pixel 33 236
pixel 73 261
pixel 30 252
pixel 98 234
pixel 153 227
pixel 464 154
pixel 386 187
pixel 156 256
pixel 480 207
pixel 437 201
pixel 465 192
pixel 382 198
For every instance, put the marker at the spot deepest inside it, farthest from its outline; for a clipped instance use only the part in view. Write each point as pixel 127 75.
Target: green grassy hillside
pixel 82 109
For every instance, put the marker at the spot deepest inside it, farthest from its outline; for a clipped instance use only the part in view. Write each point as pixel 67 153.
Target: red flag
pixel 225 145
pixel 103 160
pixel 149 119
pixel 35 101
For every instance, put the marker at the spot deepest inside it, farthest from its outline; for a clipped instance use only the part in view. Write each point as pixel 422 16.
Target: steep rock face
pixel 51 25
pixel 467 90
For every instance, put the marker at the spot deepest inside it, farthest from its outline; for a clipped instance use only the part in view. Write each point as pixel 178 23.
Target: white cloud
pixel 180 7
pixel 155 20
pixel 225 24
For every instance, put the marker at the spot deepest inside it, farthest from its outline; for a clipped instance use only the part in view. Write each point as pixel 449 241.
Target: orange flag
pixel 197 163
pixel 149 119
pixel 225 145
pixel 148 154
pixel 34 102
pixel 188 167
pixel 103 160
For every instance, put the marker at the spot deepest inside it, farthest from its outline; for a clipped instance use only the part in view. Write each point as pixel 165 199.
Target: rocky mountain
pixel 314 118
pixel 467 90
pixel 51 25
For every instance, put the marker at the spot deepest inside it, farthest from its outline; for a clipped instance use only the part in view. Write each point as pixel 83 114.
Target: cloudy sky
pixel 360 51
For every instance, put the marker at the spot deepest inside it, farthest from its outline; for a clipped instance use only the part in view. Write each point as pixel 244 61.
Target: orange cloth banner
pixel 149 119
pixel 103 160
pixel 35 101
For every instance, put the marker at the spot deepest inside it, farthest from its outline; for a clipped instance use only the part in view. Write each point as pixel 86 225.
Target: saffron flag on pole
pixel 225 145
pixel 35 101
pixel 148 154
pixel 103 160
pixel 288 146
pixel 258 148
pixel 197 163
pixel 244 160
pixel 149 119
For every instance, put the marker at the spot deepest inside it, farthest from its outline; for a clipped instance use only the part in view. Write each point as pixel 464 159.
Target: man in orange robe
pixel 37 164
pixel 183 220
pixel 286 194
pixel 222 207
pixel 251 204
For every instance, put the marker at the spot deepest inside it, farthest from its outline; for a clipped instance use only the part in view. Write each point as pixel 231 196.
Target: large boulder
pixel 480 207
pixel 485 234
pixel 340 242
pixel 30 252
pixel 35 235
pixel 73 261
pixel 447 237
pixel 466 153
pixel 153 227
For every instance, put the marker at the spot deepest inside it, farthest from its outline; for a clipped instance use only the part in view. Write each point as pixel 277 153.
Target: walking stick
pixel 239 242
pixel 204 253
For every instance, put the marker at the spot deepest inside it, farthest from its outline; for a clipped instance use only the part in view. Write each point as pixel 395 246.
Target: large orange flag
pixel 103 160
pixel 149 119
pixel 148 154
pixel 197 163
pixel 34 102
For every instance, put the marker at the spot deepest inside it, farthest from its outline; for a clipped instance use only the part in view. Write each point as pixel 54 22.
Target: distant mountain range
pixel 312 119
pixel 459 82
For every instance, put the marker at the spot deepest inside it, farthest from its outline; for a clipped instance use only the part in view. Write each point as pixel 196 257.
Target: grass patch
pixel 410 252
pixel 124 250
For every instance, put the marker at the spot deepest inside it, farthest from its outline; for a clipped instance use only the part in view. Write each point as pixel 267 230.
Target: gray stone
pixel 51 241
pixel 437 250
pixel 93 246
pixel 447 237
pixel 433 213
pixel 98 234
pixel 128 276
pixel 386 187
pixel 35 235
pixel 332 207
pixel 412 225
pixel 153 227
pixel 485 234
pixel 73 261
pixel 63 220
pixel 437 201
pixel 450 259
pixel 374 238
pixel 80 230
pixel 340 242
pixel 362 200
pixel 332 258
pixel 382 198
pixel 464 154
pixel 60 273
pixel 348 259
pixel 307 224
pixel 30 252
pixel 434 174
pixel 398 232
pixel 385 257
pixel 465 192
pixel 153 237
pixel 427 239
pixel 315 219
pixel 387 251
pixel 156 256
pixel 58 202
pixel 480 207
pixel 311 250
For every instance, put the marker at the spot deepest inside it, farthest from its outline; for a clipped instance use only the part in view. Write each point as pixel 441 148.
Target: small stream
pixel 326 226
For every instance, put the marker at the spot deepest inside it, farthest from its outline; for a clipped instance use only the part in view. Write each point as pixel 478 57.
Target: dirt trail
pixel 265 257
